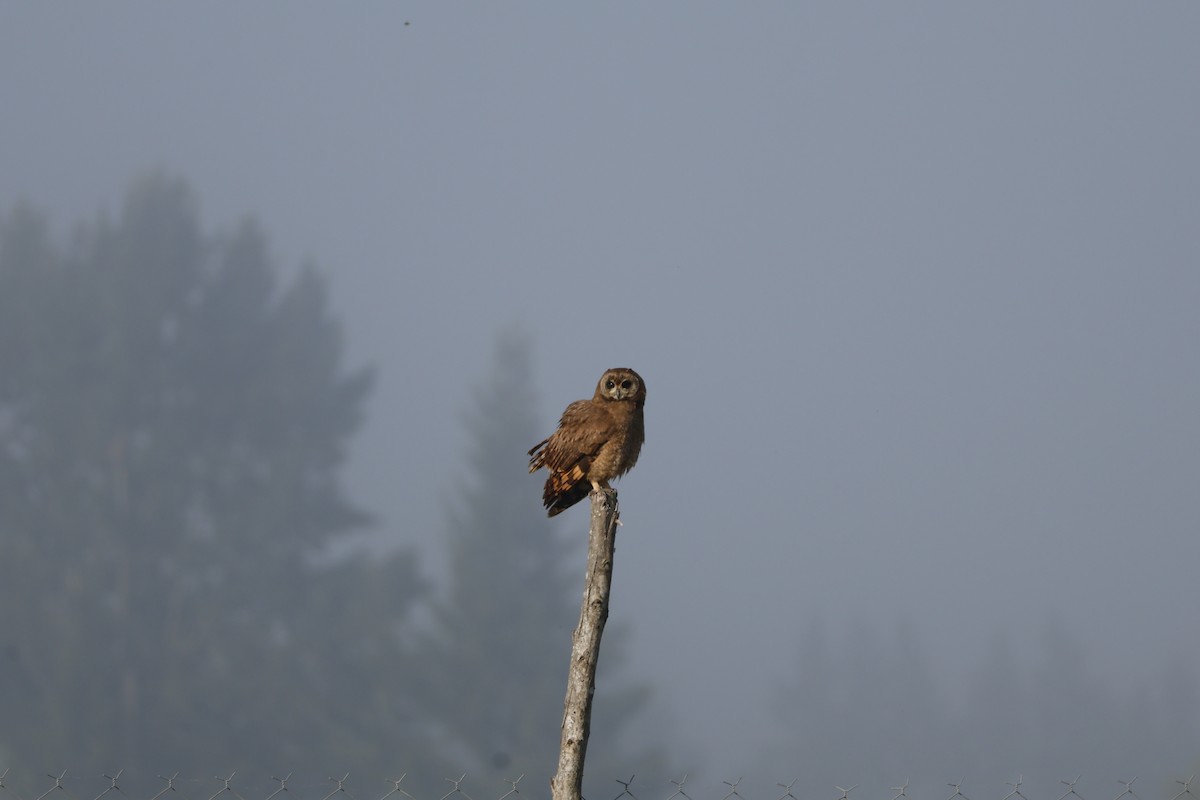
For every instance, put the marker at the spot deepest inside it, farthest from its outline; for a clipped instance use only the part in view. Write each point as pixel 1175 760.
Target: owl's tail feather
pixel 565 489
pixel 557 504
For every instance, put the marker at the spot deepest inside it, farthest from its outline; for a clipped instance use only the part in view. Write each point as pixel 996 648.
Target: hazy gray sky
pixel 914 287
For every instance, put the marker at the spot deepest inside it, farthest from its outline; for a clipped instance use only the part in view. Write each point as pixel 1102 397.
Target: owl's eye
pixel 610 384
pixel 626 384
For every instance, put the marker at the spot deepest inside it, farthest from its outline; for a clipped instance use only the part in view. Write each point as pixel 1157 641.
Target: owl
pixel 597 440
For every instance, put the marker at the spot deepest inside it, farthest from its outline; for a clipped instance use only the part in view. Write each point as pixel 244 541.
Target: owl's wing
pixel 582 431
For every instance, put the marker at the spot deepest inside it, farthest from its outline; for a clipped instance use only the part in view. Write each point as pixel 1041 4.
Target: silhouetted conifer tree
pixel 173 423
pixel 503 627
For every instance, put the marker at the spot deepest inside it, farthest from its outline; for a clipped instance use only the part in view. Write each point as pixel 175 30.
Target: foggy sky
pixel 913 287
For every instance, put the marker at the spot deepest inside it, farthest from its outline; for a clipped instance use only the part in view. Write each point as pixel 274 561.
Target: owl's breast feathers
pixel 596 441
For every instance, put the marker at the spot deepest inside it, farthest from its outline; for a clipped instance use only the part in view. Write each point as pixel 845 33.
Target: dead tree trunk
pixel 567 783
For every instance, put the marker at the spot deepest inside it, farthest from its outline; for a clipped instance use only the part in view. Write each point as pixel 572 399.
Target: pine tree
pixel 172 427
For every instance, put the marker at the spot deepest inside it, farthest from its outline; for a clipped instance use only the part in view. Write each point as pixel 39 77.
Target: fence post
pixel 567 783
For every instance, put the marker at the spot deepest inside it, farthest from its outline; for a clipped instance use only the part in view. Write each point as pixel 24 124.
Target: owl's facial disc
pixel 621 388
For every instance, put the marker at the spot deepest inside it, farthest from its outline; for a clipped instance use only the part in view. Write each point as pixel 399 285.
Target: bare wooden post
pixel 567 783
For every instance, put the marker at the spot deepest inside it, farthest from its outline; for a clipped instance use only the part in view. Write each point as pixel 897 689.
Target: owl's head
pixel 621 384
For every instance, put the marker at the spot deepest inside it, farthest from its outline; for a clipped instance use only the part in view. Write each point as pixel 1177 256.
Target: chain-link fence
pixel 216 788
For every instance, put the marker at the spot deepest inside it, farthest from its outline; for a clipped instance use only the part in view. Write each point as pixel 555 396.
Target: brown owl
pixel 597 440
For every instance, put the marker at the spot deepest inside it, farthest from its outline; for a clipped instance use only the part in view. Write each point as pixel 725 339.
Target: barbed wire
pixel 510 789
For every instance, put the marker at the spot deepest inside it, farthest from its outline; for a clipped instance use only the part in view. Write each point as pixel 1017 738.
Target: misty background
pixel 913 289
